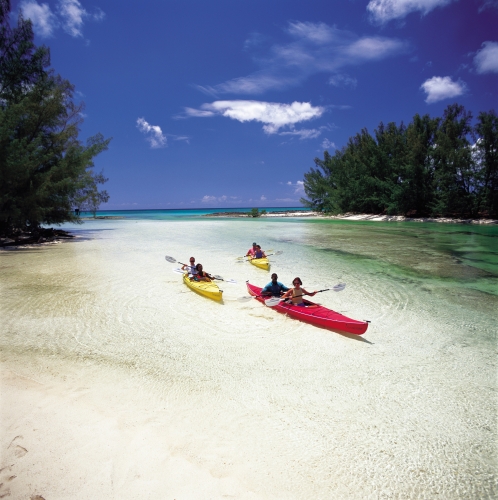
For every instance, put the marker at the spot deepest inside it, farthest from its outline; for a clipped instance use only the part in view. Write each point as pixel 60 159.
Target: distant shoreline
pixel 355 217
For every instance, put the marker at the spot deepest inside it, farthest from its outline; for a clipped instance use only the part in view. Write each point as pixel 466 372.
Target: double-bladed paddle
pixel 273 301
pixel 241 259
pixel 181 271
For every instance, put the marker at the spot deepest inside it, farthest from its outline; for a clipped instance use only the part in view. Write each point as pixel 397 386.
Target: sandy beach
pixel 117 382
pixel 358 217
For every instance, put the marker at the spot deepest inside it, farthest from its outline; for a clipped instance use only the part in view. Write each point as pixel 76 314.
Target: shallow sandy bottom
pixel 117 382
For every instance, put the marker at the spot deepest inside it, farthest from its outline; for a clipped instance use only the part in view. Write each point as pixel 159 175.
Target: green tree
pixel 44 169
pixel 486 160
pixel 452 157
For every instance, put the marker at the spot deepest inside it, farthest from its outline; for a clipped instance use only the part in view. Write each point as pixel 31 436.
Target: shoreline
pixel 355 217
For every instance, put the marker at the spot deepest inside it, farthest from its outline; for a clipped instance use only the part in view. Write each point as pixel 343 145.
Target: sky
pixel 227 103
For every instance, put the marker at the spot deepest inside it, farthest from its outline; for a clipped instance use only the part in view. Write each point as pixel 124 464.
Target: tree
pixel 486 158
pixel 429 167
pixel 44 169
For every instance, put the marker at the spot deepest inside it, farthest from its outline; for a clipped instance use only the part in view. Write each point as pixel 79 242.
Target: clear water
pixel 288 410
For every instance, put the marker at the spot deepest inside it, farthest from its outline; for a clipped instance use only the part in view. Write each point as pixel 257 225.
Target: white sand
pixel 118 383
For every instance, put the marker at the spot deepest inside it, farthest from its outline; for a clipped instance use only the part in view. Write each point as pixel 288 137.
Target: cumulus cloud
pixel 274 115
pixel 313 48
pixel 438 88
pixel 43 19
pixel 486 59
pixel 342 80
pixel 383 11
pixel 155 137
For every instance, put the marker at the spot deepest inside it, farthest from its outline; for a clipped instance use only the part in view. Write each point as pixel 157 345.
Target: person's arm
pixel 287 294
pixel 311 294
pixel 184 267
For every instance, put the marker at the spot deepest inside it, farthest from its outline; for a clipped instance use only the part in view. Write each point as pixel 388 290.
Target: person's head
pixel 297 282
pixel 254 245
pixel 192 261
pixel 258 247
pixel 198 267
pixel 274 277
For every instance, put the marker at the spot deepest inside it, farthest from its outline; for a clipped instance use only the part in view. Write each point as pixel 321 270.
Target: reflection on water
pixel 297 411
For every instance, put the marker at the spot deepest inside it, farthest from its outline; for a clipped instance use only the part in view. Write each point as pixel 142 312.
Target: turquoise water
pixel 279 407
pixel 177 213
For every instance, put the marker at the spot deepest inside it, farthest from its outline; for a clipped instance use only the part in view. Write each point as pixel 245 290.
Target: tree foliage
pixel 433 166
pixel 45 170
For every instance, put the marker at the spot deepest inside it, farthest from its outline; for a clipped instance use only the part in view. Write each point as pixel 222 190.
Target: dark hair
pixel 197 266
pixel 258 246
pixel 274 274
pixel 297 279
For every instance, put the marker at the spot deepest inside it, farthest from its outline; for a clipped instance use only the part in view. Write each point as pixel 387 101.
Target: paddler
pixel 274 288
pixel 190 268
pixel 296 294
pixel 259 254
pixel 201 275
pixel 252 250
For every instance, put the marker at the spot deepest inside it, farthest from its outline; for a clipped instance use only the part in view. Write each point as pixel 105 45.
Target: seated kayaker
pixel 252 250
pixel 274 288
pixel 201 275
pixel 190 268
pixel 259 254
pixel 295 295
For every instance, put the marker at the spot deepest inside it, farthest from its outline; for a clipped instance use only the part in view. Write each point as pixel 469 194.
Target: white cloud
pixel 314 48
pixel 486 59
pixel 438 88
pixel 303 133
pixel 263 197
pixel 342 80
pixel 383 11
pixel 216 199
pixel 73 15
pixel 298 187
pixel 70 15
pixel 274 115
pixel 156 137
pixel 326 144
pixel 44 21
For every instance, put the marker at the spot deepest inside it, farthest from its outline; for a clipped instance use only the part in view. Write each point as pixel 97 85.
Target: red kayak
pixel 319 315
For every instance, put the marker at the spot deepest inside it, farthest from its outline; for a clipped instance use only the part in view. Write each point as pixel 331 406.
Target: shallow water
pixel 408 410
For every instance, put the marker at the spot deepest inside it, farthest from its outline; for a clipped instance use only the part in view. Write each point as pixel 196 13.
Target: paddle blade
pixel 170 259
pixel 339 288
pixel 178 270
pixel 274 301
pixel 278 252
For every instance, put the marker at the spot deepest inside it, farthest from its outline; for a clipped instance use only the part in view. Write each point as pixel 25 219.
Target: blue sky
pixel 227 103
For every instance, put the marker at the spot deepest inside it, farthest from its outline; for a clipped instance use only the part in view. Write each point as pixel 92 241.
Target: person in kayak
pixel 201 275
pixel 295 295
pixel 252 250
pixel 259 254
pixel 274 288
pixel 190 268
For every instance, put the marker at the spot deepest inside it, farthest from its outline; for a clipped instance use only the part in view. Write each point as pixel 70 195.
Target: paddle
pixel 241 259
pixel 276 300
pixel 216 276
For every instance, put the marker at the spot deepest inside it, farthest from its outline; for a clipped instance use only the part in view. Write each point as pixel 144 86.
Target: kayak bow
pixel 205 288
pixel 262 263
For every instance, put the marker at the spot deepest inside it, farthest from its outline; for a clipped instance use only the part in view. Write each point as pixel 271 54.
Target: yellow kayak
pixel 206 288
pixel 263 263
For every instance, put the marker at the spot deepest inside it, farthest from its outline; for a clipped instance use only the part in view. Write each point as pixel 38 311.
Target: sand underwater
pixel 120 383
